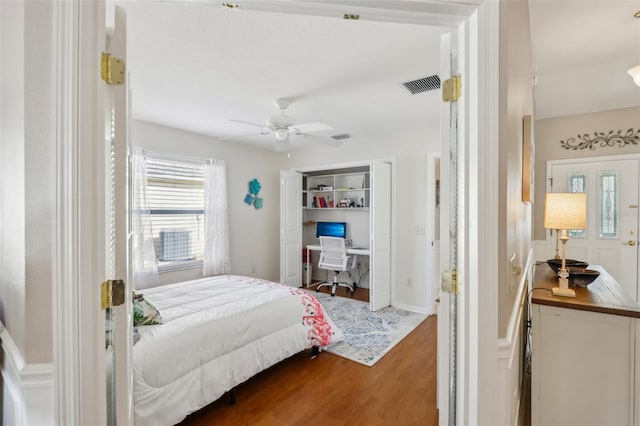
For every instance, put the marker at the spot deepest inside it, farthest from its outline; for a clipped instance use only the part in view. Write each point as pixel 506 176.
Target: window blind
pixel 175 196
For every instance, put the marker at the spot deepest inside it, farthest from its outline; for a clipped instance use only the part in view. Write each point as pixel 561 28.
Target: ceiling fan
pixel 282 126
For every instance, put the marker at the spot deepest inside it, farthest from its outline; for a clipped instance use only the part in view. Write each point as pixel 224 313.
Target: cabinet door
pixel 380 293
pixel 582 368
pixel 291 228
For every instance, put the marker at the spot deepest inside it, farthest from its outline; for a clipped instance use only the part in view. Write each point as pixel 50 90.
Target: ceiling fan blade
pixel 322 141
pixel 233 138
pixel 317 126
pixel 252 124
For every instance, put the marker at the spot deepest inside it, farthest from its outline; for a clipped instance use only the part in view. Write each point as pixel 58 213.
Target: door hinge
pixel 112 70
pixel 450 281
pixel 452 89
pixel 112 293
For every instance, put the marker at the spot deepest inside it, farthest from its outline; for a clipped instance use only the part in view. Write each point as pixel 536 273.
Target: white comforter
pixel 217 332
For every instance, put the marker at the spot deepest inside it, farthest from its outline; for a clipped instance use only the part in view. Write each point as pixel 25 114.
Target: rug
pixel 368 335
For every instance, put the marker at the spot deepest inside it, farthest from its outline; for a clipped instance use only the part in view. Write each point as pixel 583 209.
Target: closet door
pixel 380 293
pixel 291 228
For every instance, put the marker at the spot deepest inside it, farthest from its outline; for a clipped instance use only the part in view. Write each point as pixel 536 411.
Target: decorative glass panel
pixel 608 205
pixel 577 183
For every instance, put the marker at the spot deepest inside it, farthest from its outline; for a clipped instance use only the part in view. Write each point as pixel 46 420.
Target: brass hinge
pixel 112 70
pixel 112 293
pixel 450 281
pixel 452 89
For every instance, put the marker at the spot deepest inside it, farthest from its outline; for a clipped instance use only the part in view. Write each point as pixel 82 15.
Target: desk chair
pixel 333 257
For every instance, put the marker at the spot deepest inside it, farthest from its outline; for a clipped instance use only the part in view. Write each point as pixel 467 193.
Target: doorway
pixel 611 237
pixel 483 21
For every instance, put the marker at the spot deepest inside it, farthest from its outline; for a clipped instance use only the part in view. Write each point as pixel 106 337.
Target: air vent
pixel 341 136
pixel 421 85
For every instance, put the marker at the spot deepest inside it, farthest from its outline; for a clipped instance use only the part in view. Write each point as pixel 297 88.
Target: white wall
pixel 516 101
pixel 254 234
pixel 27 169
pixel 549 132
pixel 409 152
pixel 27 209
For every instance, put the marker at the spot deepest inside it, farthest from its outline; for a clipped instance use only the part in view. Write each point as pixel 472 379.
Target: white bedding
pixel 217 332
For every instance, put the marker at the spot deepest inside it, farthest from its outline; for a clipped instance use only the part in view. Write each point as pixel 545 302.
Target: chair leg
pixel 335 283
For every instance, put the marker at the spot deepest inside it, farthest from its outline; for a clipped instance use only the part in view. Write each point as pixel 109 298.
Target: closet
pixel 357 194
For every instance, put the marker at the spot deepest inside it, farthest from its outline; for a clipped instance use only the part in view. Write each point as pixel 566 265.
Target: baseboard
pixel 27 388
pixel 411 308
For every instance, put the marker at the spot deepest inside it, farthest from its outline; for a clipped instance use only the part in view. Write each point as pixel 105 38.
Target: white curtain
pixel 145 264
pixel 216 219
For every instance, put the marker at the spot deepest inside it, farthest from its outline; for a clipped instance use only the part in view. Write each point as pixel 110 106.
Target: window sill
pixel 179 265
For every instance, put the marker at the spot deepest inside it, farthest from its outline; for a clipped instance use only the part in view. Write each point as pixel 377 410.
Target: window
pixel 175 197
pixel 577 183
pixel 608 205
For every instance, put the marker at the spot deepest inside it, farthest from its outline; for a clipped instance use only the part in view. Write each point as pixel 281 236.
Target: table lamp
pixel 564 211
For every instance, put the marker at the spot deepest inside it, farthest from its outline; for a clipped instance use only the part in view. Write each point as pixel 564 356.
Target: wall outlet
pixel 253 269
pixel 409 283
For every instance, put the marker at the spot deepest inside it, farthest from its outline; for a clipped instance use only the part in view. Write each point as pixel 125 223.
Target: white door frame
pixel 79 256
pixel 433 245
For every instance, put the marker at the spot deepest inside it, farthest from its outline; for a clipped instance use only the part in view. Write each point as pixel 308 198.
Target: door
pixel 119 352
pixel 291 228
pixel 380 245
pixel 448 306
pixel 611 237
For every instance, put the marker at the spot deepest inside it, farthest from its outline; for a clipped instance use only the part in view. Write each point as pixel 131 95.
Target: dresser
pixel 585 368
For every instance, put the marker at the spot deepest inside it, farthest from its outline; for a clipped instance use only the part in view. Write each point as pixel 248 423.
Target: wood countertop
pixel 604 295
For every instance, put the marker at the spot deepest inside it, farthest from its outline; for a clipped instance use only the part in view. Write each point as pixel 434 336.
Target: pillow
pixel 144 313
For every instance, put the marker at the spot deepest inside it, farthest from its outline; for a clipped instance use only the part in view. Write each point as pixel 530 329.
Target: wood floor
pixel 400 389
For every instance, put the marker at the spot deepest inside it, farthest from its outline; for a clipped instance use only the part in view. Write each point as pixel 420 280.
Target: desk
pixel 363 251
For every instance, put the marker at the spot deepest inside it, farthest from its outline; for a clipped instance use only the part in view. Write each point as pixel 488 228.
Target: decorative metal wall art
pixel 603 140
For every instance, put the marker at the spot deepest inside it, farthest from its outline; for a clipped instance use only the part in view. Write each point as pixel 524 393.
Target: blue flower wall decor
pixel 252 196
pixel 254 187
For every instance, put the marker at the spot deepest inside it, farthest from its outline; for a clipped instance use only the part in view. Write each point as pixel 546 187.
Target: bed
pixel 216 333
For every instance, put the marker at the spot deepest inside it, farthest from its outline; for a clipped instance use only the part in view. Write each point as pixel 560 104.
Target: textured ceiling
pixel 197 67
pixel 581 53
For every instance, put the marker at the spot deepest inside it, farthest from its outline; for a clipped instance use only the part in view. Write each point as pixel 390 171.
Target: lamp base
pixel 565 292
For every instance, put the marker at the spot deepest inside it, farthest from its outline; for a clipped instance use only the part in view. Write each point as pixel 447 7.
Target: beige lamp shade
pixel 565 210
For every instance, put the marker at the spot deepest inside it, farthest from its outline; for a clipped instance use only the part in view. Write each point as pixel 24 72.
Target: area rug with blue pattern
pixel 368 335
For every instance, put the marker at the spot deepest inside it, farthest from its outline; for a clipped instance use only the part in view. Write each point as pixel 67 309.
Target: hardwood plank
pixel 398 389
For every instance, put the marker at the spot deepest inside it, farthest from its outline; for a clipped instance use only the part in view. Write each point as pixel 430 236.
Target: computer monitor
pixel 331 229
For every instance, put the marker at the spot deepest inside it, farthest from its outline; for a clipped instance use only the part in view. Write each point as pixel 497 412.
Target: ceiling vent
pixel 341 136
pixel 421 85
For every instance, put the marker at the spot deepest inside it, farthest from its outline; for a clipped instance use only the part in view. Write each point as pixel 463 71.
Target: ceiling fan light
pixel 280 121
pixel 635 74
pixel 282 145
pixel 282 134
